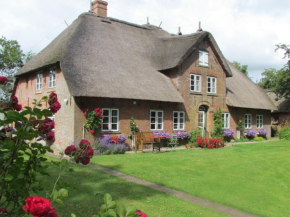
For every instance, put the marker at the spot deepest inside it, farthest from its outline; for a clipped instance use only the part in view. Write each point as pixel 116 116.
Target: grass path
pixel 254 178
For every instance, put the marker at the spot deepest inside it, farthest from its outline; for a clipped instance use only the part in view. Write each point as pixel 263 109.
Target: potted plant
pixel 240 128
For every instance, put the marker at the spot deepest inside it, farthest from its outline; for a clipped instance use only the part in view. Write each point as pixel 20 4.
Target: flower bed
pixel 262 133
pixel 111 144
pixel 210 143
pixel 250 134
pixel 228 134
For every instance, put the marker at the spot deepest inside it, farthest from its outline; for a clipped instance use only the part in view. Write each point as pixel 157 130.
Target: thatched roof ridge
pixel 244 93
pixel 283 104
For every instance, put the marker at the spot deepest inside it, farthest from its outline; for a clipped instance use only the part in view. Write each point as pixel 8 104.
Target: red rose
pixel 3 211
pixel 17 107
pixel 84 144
pixel 52 97
pixel 70 150
pixel 3 80
pixel 37 206
pixel 51 213
pixel 138 212
pixel 46 126
pixel 14 100
pixel 90 151
pixel 191 146
pixel 141 214
pixel 85 160
pixel 92 131
pixel 55 107
pixel 50 136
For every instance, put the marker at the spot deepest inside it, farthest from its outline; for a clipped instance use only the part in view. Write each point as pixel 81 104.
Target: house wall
pixel 283 120
pixel 64 121
pixel 181 78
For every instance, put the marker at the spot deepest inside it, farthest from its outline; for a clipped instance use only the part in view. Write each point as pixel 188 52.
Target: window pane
pixel 152 127
pixel 106 112
pixel 159 120
pixel 159 126
pixel 114 120
pixel 205 58
pixel 175 120
pixel 114 127
pixel 105 126
pixel 181 126
pixel 153 120
pixel 106 120
pixel 201 57
pixel 175 126
pixel 175 114
pixel 160 114
pixel 153 114
pixel 114 112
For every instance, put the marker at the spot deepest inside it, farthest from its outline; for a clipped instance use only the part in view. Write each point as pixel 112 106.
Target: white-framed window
pixel 248 121
pixel 211 84
pixel 178 120
pixel 156 120
pixel 203 58
pixel 51 79
pixel 111 119
pixel 259 119
pixel 38 81
pixel 226 120
pixel 195 83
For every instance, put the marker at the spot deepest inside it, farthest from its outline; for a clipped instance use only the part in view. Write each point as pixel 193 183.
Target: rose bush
pixel 93 119
pixel 210 143
pixel 39 207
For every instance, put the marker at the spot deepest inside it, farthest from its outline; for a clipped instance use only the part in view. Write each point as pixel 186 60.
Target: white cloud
pixel 246 31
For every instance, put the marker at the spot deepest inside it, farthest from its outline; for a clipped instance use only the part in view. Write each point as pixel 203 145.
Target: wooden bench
pixel 142 138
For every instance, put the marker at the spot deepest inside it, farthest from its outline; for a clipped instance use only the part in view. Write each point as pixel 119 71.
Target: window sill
pixel 51 90
pixel 111 132
pixel 212 94
pixel 195 93
pixel 38 92
pixel 203 66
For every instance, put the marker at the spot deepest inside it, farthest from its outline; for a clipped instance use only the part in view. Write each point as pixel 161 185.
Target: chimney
pixel 199 27
pixel 99 7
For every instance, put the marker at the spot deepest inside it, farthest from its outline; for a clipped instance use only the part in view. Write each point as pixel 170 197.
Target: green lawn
pixel 89 187
pixel 250 177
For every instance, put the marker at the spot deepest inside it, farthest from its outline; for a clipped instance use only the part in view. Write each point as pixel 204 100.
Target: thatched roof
pixel 283 104
pixel 244 93
pixel 112 58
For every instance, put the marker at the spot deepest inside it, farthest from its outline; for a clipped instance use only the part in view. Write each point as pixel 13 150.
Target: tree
pixel 268 81
pixel 242 68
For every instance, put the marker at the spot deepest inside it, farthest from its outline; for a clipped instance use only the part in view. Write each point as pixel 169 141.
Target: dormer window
pixel 203 58
pixel 38 81
pixel 51 79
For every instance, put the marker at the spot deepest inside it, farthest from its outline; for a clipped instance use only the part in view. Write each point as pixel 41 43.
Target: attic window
pixel 51 79
pixel 203 58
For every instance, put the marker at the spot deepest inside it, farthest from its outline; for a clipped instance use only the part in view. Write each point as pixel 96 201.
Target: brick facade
pixel 69 120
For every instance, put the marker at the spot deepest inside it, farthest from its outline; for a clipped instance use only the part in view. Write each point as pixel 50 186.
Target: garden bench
pixel 142 138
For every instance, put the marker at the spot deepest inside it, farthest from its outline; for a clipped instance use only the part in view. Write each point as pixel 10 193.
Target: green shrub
pixel 285 133
pixel 218 124
pixel 242 139
pixel 193 136
pixel 259 138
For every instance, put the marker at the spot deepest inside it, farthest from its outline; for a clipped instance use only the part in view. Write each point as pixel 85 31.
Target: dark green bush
pixel 285 133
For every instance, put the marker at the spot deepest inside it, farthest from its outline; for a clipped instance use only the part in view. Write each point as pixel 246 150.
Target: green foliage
pixel 218 124
pixel 93 119
pixel 285 133
pixel 242 139
pixel 134 128
pixel 259 138
pixel 268 81
pixel 240 124
pixel 242 68
pixel 110 209
pixel 193 136
pixel 21 156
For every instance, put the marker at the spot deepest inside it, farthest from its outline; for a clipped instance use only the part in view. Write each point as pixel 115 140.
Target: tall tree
pixel 242 68
pixel 268 80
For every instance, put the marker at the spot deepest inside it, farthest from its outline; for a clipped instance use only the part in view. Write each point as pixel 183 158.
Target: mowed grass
pixel 88 187
pixel 251 177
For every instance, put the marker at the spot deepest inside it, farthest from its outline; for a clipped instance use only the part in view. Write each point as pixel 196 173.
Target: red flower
pixel 90 151
pixel 191 146
pixel 46 125
pixel 84 144
pixel 141 214
pixel 17 107
pixel 38 207
pixel 92 131
pixel 186 146
pixel 50 136
pixel 14 100
pixel 70 150
pixel 3 80
pixel 85 160
pixel 54 105
pixel 3 211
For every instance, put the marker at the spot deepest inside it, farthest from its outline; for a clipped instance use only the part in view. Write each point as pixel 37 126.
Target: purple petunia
pixel 182 135
pixel 250 133
pixel 228 132
pixel 262 132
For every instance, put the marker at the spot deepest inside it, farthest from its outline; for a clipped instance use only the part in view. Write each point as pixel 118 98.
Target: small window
pixel 259 121
pixel 226 120
pixel 248 121
pixel 203 58
pixel 178 120
pixel 211 84
pixel 51 79
pixel 111 120
pixel 156 120
pixel 39 82
pixel 195 83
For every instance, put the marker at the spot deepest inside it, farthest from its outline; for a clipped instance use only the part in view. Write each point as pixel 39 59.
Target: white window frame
pixel 39 81
pixel 211 84
pixel 180 124
pixel 195 87
pixel 52 79
pixel 110 120
pixel 248 121
pixel 259 121
pixel 226 120
pixel 156 118
pixel 203 58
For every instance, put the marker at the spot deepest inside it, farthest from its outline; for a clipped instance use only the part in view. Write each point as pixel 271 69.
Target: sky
pixel 245 30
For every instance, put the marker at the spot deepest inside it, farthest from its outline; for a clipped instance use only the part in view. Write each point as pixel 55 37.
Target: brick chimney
pixel 99 7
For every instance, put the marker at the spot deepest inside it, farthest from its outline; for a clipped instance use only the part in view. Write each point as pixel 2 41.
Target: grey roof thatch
pixel 111 58
pixel 283 104
pixel 244 93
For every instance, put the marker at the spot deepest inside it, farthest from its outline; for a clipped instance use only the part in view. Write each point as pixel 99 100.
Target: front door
pixel 202 120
